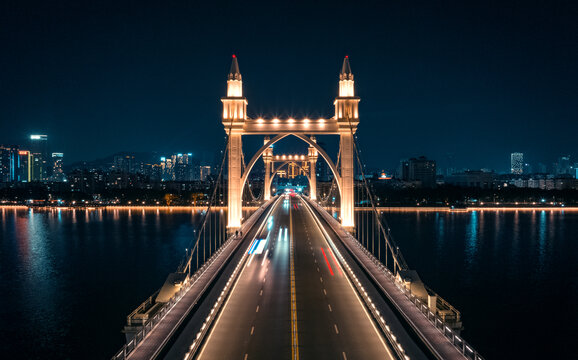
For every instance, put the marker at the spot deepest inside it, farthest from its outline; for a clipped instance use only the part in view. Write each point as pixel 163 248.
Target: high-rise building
pixel 40 160
pixel 205 172
pixel 57 171
pixel 25 159
pixel 183 167
pixel 418 169
pixel 423 170
pixel 516 163
pixel 167 169
pixel 563 165
pixel 9 163
pixel 124 163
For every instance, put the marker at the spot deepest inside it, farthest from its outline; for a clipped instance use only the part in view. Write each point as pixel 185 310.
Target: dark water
pixel 512 274
pixel 69 278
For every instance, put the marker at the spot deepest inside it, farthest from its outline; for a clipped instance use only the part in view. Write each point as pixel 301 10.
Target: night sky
pixel 476 79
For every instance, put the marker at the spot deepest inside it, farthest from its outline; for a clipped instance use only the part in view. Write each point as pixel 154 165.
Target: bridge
pixel 298 277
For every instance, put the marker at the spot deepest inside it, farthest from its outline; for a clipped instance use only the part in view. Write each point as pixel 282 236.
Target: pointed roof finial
pixel 234 73
pixel 346 73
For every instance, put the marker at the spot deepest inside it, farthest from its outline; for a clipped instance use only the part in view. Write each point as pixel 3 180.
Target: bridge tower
pixel 347 116
pixel 267 158
pixel 237 124
pixel 312 158
pixel 234 116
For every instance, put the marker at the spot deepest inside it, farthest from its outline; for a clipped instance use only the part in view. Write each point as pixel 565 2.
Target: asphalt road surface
pixel 328 320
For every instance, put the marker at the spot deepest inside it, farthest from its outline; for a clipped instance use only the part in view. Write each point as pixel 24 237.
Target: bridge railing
pixel 459 343
pixel 149 325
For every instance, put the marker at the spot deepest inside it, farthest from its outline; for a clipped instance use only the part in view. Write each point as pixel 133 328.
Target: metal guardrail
pixel 467 350
pixel 150 324
pixel 227 289
pixel 352 278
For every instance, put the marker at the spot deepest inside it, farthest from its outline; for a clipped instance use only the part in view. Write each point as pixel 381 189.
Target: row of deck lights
pixel 370 302
pixel 212 314
pixel 292 121
pixel 289 157
pixel 213 310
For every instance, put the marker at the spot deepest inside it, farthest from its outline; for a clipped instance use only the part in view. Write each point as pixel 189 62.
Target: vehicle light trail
pixel 335 261
pixel 327 261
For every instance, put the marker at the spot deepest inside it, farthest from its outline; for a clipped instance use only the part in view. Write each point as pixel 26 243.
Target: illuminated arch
pixel 306 139
pixel 275 171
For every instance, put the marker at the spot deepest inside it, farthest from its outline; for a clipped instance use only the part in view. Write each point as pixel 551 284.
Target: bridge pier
pixel 347 181
pixel 347 115
pixel 312 157
pixel 234 201
pixel 267 157
pixel 234 116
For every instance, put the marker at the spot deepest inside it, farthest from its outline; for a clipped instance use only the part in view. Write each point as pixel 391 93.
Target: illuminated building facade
pixel 39 157
pixel 57 170
pixel 9 164
pixel 205 171
pixel 517 163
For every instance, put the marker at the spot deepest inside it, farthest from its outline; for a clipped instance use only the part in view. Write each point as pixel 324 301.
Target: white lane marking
pixel 330 309
pixel 344 356
pixel 321 279
pixel 327 238
pixel 257 309
pixel 336 329
pixel 232 291
pixel 246 356
pixel 252 329
pixel 261 292
pixel 325 292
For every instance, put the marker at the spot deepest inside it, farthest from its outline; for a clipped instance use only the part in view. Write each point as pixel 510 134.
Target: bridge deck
pixel 256 321
pixel 432 337
pixel 154 342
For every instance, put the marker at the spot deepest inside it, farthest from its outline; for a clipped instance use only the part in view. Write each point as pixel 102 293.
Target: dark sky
pixel 477 79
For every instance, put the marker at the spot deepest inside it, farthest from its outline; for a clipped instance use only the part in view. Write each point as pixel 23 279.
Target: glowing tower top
pixel 234 104
pixel 346 103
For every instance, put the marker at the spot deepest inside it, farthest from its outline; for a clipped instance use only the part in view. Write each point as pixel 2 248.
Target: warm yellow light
pixel 275 121
pixel 260 120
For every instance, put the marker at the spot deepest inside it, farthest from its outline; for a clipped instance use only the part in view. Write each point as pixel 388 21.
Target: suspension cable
pixel 397 256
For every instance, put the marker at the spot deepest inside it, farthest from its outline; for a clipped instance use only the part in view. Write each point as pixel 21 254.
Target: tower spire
pixel 234 73
pixel 346 73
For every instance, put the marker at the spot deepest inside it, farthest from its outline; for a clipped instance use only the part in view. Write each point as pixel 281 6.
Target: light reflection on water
pixel 68 278
pixel 506 271
pixel 472 238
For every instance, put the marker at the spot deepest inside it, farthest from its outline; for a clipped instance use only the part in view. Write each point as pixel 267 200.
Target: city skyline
pixel 445 165
pixel 466 80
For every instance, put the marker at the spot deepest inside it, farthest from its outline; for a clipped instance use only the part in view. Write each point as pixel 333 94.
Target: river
pixel 68 278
